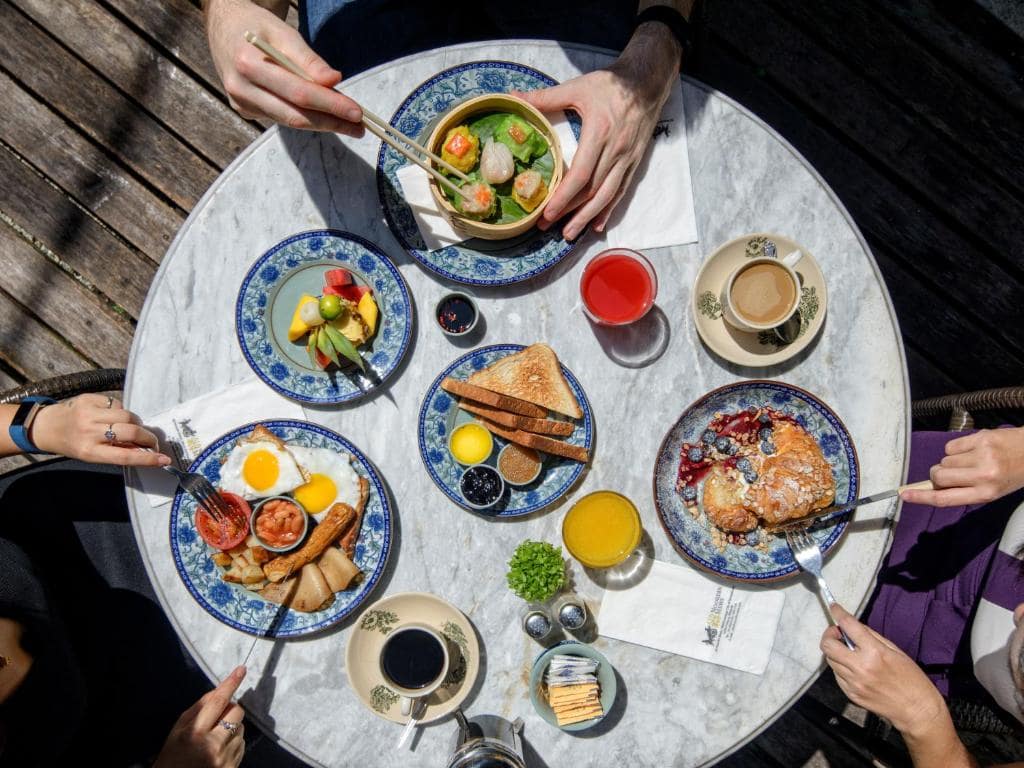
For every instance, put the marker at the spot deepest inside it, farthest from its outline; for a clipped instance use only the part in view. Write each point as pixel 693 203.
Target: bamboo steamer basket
pixel 493 102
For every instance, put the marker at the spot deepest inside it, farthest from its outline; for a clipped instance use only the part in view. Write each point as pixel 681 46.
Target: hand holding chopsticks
pixel 374 124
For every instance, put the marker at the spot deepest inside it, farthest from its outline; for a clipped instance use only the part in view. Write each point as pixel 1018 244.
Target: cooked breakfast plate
pixel 475 261
pixel 372 317
pixel 745 454
pixel 441 415
pixel 319 537
pixel 362 655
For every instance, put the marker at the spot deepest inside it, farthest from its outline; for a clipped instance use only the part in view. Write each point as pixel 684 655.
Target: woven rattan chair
pixel 68 385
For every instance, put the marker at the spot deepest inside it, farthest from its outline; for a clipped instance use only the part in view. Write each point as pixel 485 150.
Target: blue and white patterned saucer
pixel 247 611
pixel 440 414
pixel 477 262
pixel 267 300
pixel 692 536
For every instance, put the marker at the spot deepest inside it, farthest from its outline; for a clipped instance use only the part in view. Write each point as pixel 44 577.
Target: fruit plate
pixel 440 414
pixel 362 655
pixel 475 261
pixel 271 291
pixel 692 535
pixel 247 611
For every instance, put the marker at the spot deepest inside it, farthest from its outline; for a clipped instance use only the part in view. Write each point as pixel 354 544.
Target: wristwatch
pixel 22 423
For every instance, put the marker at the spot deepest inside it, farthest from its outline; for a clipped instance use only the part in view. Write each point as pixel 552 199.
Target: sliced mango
pixel 298 329
pixel 367 308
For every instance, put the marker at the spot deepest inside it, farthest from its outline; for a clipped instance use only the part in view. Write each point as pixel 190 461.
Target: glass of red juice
pixel 618 287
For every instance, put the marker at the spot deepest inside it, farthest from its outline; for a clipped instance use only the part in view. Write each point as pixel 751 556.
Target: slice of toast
pixel 493 399
pixel 515 421
pixel 532 375
pixel 538 442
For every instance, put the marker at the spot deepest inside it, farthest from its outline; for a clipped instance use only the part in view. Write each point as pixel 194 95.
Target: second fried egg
pixel 332 480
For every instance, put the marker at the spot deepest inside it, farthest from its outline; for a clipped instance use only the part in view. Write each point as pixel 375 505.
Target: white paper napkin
pixel 187 429
pixel 679 610
pixel 656 211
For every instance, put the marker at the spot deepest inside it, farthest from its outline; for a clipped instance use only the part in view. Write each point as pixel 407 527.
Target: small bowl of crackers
pixel 572 686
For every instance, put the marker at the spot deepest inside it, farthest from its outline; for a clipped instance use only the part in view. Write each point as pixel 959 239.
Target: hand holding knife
pixel 838 510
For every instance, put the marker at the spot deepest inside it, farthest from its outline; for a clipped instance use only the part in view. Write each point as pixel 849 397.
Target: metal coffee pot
pixel 487 741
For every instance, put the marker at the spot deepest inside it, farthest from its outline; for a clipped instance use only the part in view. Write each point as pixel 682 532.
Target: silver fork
pixel 808 555
pixel 199 488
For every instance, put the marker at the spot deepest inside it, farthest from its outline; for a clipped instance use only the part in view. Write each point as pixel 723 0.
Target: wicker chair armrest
pixel 960 406
pixel 68 385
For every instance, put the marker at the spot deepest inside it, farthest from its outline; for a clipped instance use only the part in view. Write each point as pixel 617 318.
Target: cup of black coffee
pixel 414 662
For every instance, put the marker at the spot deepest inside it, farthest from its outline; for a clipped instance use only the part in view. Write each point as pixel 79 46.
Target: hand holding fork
pixel 808 556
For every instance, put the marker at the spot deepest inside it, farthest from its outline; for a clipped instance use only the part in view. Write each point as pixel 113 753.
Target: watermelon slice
pixel 322 360
pixel 330 290
pixel 338 277
pixel 351 292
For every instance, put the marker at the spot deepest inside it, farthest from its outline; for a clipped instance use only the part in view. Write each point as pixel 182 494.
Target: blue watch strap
pixel 22 422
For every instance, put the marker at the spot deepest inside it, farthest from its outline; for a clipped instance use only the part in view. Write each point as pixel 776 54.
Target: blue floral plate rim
pixel 368 584
pixel 552 495
pixel 356 392
pixel 665 463
pixel 565 249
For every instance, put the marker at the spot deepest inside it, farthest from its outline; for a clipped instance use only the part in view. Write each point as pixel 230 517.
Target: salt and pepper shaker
pixel 571 611
pixel 536 622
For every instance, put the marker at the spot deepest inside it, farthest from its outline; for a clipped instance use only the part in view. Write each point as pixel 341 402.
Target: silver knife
pixel 838 510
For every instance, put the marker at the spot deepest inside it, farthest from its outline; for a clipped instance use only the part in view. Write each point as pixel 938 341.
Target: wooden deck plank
pixel 32 349
pixel 57 299
pixel 836 92
pixel 886 213
pixel 86 172
pixel 969 39
pixel 68 231
pixel 39 63
pixel 153 81
pixel 921 84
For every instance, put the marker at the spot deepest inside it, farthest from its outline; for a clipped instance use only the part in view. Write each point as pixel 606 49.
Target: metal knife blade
pixel 838 510
pixel 278 616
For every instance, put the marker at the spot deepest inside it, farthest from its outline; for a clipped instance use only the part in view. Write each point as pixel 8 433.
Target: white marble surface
pixel 672 710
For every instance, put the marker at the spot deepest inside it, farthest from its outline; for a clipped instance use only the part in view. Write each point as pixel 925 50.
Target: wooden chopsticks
pixel 374 124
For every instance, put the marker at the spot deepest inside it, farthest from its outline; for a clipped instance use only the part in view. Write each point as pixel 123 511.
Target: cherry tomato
pixel 232 531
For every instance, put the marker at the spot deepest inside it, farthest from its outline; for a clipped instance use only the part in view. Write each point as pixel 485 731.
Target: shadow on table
pixel 770 371
pixel 638 344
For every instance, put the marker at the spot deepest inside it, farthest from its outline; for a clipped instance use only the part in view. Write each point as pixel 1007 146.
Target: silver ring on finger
pixel 110 435
pixel 229 726
pixel 110 401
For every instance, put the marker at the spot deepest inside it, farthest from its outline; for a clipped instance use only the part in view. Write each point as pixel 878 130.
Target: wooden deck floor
pixel 114 124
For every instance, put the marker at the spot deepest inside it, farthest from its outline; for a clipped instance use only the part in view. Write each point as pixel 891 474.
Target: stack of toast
pixel 513 397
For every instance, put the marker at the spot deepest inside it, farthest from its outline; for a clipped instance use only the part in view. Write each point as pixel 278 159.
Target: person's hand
pixel 879 676
pixel 257 86
pixel 976 469
pixel 77 427
pixel 200 739
pixel 620 107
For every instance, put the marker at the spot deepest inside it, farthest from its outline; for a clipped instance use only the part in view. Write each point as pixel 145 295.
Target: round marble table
pixel 671 710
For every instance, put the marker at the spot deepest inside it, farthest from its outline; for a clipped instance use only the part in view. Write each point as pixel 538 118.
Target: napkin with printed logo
pixel 187 429
pixel 679 610
pixel 656 211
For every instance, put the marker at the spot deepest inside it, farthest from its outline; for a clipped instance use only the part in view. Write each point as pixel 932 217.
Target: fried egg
pixel 332 480
pixel 260 468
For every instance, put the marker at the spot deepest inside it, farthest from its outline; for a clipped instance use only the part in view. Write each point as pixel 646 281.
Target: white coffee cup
pixel 736 319
pixel 403 687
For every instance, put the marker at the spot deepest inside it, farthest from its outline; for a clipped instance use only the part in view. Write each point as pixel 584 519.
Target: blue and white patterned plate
pixel 440 414
pixel 692 536
pixel 267 300
pixel 247 611
pixel 477 262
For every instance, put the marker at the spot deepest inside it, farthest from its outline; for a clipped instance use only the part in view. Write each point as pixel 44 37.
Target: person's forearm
pixel 277 7
pixel 653 47
pixel 933 743
pixel 7 446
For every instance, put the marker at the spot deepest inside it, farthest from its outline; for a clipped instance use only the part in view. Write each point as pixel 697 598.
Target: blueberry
pixel 765 433
pixel 767 447
pixel 695 454
pixel 752 538
pixel 709 437
pixel 743 464
pixel 764 418
pixel 750 476
pixel 733 449
pixel 722 444
pixel 690 493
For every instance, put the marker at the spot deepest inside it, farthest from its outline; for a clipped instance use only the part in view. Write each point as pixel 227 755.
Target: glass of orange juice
pixel 602 529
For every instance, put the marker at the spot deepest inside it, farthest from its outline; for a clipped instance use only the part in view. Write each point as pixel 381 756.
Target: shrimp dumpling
pixel 529 190
pixel 478 200
pixel 496 163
